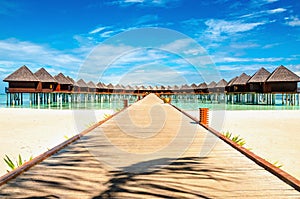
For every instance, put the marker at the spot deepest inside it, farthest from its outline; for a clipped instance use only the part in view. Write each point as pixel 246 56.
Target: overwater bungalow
pixel 92 87
pixel 211 86
pixel 185 89
pixel 118 88
pixel 83 87
pixel 22 81
pixel 240 84
pixel 220 86
pixel 203 88
pixel 282 80
pixel 229 86
pixel 257 81
pixel 75 86
pixel 128 89
pixel 47 83
pixel 102 88
pixel 110 88
pixel 64 84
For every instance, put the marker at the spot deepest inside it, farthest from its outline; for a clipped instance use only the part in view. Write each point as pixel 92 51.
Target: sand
pixel 30 132
pixel 273 135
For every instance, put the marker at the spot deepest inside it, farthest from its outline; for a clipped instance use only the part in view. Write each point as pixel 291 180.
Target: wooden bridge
pixel 149 150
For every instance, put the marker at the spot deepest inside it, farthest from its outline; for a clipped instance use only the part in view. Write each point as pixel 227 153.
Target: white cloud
pixel 220 29
pixel 277 10
pixel 150 3
pixel 97 30
pixel 293 21
pixel 34 55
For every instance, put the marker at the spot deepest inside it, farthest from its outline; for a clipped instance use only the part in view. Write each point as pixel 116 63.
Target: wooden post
pixel 125 103
pixel 203 116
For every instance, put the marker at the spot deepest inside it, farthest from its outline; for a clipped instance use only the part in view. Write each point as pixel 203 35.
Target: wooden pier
pixel 149 150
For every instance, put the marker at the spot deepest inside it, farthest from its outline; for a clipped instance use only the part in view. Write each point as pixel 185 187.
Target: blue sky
pixel 61 35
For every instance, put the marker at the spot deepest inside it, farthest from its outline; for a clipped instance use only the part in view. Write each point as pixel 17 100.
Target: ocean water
pixel 116 104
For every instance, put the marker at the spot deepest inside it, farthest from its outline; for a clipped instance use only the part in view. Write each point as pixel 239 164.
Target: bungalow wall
pixel 22 87
pixel 241 88
pixel 256 87
pixel 280 87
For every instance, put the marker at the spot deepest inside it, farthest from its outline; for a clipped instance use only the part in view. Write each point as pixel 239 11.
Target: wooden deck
pixel 150 150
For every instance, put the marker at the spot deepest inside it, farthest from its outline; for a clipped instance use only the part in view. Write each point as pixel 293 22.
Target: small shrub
pixel 235 138
pixel 12 165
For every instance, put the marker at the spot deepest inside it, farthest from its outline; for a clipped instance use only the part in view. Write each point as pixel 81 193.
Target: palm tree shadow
pixel 164 178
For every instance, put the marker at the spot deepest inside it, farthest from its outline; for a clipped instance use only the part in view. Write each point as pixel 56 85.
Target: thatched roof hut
pixel 282 80
pixel 221 85
pixel 240 83
pixel 64 84
pixel 47 82
pixel 22 80
pixel 260 76
pixel 61 79
pixel 44 76
pixel 211 86
pixel 282 74
pixel 257 81
pixel 92 86
pixel 23 74
pixel 82 84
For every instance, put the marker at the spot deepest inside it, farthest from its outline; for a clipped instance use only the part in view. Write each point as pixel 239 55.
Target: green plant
pixel 106 116
pixel 12 165
pixel 276 164
pixel 235 138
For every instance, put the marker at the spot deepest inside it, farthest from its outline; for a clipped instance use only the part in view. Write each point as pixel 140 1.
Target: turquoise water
pixel 185 104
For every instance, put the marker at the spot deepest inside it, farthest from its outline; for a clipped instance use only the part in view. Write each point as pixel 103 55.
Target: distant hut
pixel 211 86
pixel 229 86
pixel 142 89
pixel 175 89
pixel 257 81
pixel 169 89
pixel 118 88
pixel 185 88
pixel 149 89
pixel 129 89
pixel 64 84
pixel 47 82
pixel 240 84
pixel 282 80
pixel 110 88
pixel 203 88
pixel 83 87
pixel 75 86
pixel 102 88
pixel 220 86
pixel 92 87
pixel 22 81
pixel 194 88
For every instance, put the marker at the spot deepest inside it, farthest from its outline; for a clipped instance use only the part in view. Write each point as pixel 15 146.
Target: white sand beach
pixel 30 132
pixel 272 135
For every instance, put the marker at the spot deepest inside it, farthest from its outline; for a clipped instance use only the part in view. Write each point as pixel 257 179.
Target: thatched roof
pixel 175 87
pixel 185 86
pixel 211 85
pixel 73 81
pixel 22 74
pixel 91 84
pixel 129 88
pixel 101 85
pixel 221 84
pixel 241 80
pixel 61 79
pixel 194 86
pixel 282 74
pixel 44 76
pixel 110 86
pixel 149 88
pixel 230 83
pixel 260 76
pixel 119 87
pixel 81 83
pixel 203 86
